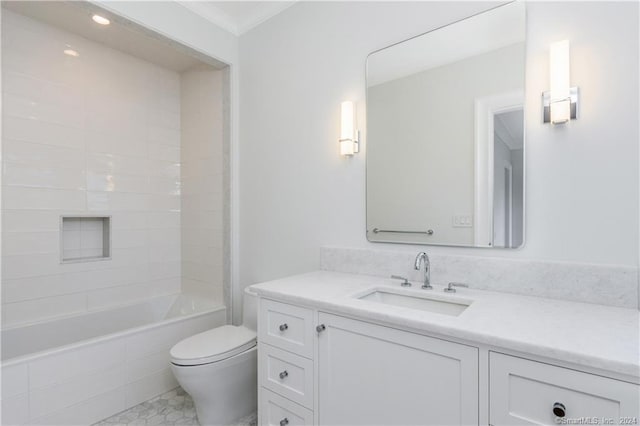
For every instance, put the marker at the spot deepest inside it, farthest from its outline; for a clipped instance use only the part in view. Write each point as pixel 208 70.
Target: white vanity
pixel 350 349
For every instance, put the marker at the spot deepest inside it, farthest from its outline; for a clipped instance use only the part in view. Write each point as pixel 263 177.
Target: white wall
pixel 98 134
pixel 297 194
pixel 201 150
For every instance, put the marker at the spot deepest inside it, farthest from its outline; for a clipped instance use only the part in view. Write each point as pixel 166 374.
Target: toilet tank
pixel 250 309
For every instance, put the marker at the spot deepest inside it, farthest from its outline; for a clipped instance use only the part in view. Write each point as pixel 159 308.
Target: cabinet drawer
pixel 278 411
pixel 525 392
pixel 287 374
pixel 287 327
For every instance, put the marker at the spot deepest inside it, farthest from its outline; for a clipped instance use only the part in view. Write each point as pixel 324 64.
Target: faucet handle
pixel 404 283
pixel 450 288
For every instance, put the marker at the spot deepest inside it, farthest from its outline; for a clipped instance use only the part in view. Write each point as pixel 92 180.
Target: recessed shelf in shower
pixel 85 238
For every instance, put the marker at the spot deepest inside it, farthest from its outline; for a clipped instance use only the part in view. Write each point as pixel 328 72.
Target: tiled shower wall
pixel 202 149
pixel 97 134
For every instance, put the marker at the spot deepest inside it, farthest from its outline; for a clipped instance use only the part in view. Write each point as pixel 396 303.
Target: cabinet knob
pixel 283 327
pixel 559 409
pixel 284 422
pixel 283 374
pixel 321 328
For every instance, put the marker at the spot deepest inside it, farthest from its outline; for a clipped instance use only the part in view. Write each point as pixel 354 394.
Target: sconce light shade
pixel 561 102
pixel 559 78
pixel 349 143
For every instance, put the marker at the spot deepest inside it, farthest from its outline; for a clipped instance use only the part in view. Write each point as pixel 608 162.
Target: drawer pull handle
pixel 283 374
pixel 283 327
pixel 321 328
pixel 559 409
pixel 284 422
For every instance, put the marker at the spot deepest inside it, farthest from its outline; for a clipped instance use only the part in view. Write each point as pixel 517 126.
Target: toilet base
pixel 222 391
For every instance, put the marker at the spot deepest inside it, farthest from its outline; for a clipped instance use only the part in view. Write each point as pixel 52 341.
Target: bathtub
pixel 81 369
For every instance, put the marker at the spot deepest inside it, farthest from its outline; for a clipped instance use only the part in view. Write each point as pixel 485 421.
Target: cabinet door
pixel 529 392
pixel 374 375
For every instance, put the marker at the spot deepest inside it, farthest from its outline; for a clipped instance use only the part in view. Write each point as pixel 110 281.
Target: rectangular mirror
pixel 445 134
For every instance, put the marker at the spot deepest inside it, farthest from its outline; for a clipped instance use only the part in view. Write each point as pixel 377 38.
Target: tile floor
pixel 174 408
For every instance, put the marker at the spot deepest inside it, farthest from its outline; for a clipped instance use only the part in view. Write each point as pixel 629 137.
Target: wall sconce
pixel 349 136
pixel 560 103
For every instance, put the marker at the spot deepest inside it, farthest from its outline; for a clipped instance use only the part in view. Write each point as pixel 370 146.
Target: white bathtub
pixel 81 369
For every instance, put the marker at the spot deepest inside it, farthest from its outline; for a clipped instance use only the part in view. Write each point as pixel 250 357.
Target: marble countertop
pixel 589 335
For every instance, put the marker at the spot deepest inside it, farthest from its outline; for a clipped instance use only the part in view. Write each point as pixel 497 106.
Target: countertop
pixel 583 334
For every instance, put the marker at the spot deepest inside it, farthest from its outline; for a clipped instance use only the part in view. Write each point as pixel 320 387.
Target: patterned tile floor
pixel 174 408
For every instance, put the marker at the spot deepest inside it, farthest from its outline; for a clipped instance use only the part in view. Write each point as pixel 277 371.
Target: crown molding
pixel 217 16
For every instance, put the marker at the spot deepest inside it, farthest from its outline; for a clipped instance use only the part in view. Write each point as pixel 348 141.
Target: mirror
pixel 445 135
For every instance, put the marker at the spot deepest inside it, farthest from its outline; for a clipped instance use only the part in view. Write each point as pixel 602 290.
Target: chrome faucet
pixel 423 258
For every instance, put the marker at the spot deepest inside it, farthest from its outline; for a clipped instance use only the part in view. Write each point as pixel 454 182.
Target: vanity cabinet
pixel 315 367
pixel 323 368
pixel 529 392
pixel 374 375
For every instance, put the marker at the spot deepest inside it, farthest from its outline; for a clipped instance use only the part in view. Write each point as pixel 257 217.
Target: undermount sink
pixel 414 301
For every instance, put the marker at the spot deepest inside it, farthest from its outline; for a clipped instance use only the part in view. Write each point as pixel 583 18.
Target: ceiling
pixel 237 16
pixel 122 35
pixel 509 126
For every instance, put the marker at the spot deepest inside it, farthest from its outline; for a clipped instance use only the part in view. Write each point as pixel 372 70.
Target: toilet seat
pixel 213 345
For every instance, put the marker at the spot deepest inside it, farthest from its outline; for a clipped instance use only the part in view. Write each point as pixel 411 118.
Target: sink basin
pixel 413 301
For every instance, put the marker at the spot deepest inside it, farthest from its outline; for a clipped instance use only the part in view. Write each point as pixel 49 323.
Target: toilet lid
pixel 213 345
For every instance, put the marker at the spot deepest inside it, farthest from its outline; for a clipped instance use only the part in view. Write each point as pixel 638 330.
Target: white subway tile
pixel 100 163
pixel 130 220
pixel 14 243
pixel 169 169
pixel 64 394
pixel 159 270
pixel 162 202
pixel 39 309
pixel 31 107
pixel 101 201
pixel 150 386
pixel 42 199
pixel 41 155
pixel 164 152
pixel 40 90
pixel 40 177
pixel 129 238
pixel 114 296
pixel 76 363
pixel 117 183
pixel 155 362
pixel 88 411
pixel 117 143
pixel 30 221
pixel 164 185
pixel 15 380
pixel 15 410
pixel 163 136
pixel 163 220
pixel 208 290
pixel 20 289
pixel 36 131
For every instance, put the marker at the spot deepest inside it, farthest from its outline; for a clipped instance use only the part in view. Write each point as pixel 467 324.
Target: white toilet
pixel 218 368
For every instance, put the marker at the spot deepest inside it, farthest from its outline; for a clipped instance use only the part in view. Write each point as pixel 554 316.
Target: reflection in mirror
pixel 445 135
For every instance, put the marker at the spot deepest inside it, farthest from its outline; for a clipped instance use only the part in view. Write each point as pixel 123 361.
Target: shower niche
pixel 85 238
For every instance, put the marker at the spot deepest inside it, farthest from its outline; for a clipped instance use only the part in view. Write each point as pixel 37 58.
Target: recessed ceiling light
pixel 71 52
pixel 100 20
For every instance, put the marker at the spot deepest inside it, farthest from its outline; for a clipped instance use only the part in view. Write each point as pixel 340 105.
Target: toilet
pixel 218 368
